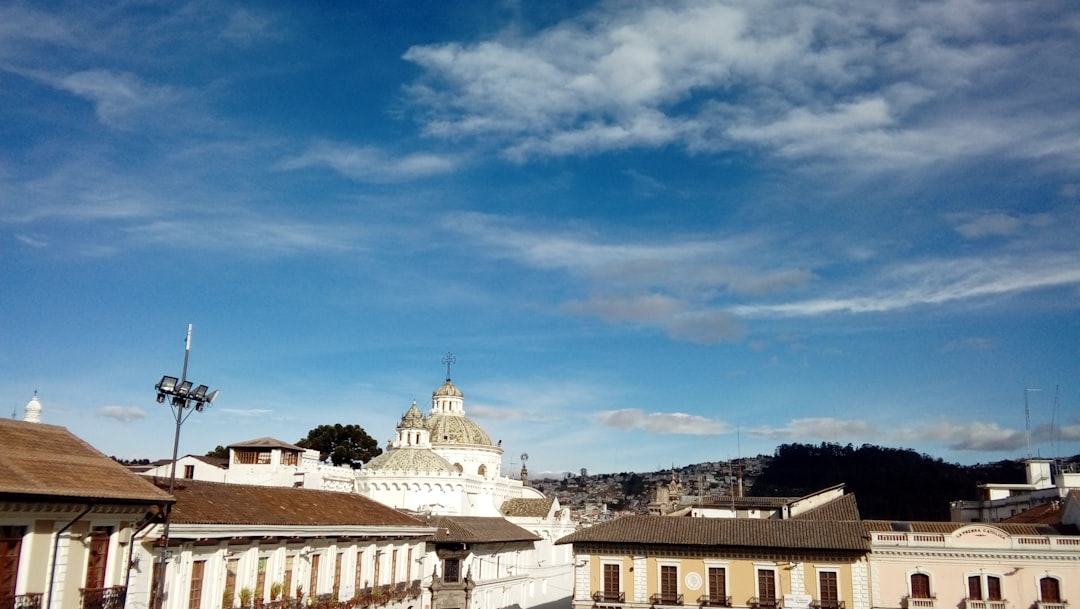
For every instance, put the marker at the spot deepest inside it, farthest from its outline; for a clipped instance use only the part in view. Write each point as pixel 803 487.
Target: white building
pixel 998 501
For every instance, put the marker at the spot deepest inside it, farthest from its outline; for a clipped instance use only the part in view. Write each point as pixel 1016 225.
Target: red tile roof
pixel 478 529
pixel 728 532
pixel 49 463
pixel 201 502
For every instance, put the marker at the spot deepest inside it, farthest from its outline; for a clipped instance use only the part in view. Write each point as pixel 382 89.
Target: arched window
pixel 1050 590
pixel 482 470
pixel 458 467
pixel 920 585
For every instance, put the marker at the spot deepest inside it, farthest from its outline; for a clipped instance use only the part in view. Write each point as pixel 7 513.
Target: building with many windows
pixel 68 515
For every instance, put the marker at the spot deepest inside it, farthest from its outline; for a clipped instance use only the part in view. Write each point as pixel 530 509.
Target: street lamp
pixel 182 402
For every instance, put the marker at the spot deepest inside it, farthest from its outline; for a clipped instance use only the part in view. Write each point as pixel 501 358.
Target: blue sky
pixel 650 234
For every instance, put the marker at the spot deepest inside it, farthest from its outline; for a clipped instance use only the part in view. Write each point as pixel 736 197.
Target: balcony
pixel 914 602
pixel 764 603
pixel 22 601
pixel 662 598
pixel 827 605
pixel 1058 605
pixel 104 598
pixel 608 597
pixel 714 601
pixel 975 603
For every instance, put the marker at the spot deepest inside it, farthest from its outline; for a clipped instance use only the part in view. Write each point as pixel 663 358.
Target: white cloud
pixel 247 27
pixel 369 164
pixel 872 86
pixel 974 436
pixel 817 428
pixel 661 422
pixel 117 96
pixel 125 414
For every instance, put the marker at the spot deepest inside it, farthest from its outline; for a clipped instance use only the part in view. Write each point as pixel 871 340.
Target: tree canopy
pixel 342 444
pixel 219 452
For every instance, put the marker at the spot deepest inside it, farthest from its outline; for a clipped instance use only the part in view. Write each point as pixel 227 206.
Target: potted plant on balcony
pixel 245 597
pixel 275 590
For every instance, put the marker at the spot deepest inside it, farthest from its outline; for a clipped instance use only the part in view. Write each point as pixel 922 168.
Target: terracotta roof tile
pixel 841 508
pixel 201 502
pixel 478 529
pixel 891 526
pixel 48 461
pixel 527 507
pixel 730 532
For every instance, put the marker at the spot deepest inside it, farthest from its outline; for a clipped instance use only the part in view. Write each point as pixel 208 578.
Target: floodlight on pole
pixel 181 398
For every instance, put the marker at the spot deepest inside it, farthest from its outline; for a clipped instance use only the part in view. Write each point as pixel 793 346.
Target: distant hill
pixel 888 483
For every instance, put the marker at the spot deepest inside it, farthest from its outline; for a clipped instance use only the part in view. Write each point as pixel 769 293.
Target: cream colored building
pixel 68 515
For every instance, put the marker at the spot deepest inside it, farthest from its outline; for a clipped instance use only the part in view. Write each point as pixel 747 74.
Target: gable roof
pixel 730 532
pixel 265 442
pixel 478 529
pixel 841 508
pixel 201 502
pixel 49 463
pixel 527 507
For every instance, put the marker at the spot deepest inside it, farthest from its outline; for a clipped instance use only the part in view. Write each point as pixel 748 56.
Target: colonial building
pixel 949 565
pixel 652 562
pixel 1045 483
pixel 68 514
pixel 232 545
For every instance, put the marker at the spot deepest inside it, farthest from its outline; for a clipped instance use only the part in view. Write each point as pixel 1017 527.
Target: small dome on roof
pixel 410 459
pixel 412 419
pixel 448 389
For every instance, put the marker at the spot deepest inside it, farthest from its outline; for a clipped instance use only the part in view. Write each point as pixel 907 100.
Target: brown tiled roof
pixel 841 508
pixel 49 463
pixel 527 507
pixel 265 443
pixel 201 502
pixel 747 503
pixel 730 532
pixel 478 529
pixel 1048 513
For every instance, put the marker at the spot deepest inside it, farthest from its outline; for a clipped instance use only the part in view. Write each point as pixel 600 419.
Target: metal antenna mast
pixel 1027 419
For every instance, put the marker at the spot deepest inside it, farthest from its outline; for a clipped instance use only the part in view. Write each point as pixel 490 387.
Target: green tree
pixel 342 444
pixel 219 452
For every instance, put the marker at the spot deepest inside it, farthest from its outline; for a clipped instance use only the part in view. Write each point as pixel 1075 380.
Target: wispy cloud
pixel 660 422
pixel 872 86
pixel 118 97
pixel 124 414
pixel 817 429
pixel 370 164
pixel 247 27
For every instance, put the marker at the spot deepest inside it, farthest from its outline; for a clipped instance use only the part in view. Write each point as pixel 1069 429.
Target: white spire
pixel 33 410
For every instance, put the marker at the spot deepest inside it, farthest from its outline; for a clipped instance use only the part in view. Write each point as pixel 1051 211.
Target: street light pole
pixel 181 398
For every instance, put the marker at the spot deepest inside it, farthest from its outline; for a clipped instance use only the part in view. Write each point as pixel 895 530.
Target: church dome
pixel 447 390
pixel 410 459
pixel 456 429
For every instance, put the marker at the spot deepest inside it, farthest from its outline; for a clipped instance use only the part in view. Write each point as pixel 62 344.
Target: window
pixel 195 591
pixel 251 457
pixel 287 580
pixel 393 566
pixel 313 579
pixel 669 584
pixel 99 555
pixel 189 472
pixel 1050 590
pixel 260 579
pixel 289 457
pixel 984 587
pixel 612 586
pixel 717 586
pixel 766 587
pixel 920 585
pixel 408 566
pixel 10 548
pixel 828 590
pixel 451 570
pixel 337 572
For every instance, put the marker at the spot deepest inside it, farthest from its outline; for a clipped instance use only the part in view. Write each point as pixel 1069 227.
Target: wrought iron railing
pixel 22 601
pixel 827 604
pixel 764 603
pixel 661 598
pixel 714 601
pixel 104 598
pixel 604 596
